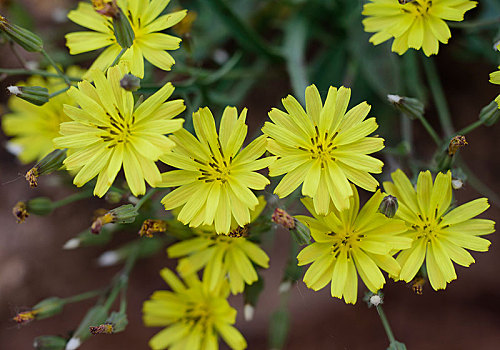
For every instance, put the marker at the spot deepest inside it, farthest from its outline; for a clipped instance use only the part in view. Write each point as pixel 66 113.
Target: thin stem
pixel 144 198
pixel 80 297
pixel 34 72
pixel 470 127
pixel 430 130
pixel 475 24
pixel 18 56
pixel 385 323
pixel 120 55
pixel 54 94
pixel 56 67
pixel 438 95
pixel 73 198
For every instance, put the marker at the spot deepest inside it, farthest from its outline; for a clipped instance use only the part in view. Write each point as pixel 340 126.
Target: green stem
pixel 34 72
pixel 120 55
pixel 73 198
pixel 56 67
pixel 475 24
pixel 385 323
pixel 438 95
pixel 83 296
pixel 430 130
pixel 144 198
pixel 470 127
pixel 54 94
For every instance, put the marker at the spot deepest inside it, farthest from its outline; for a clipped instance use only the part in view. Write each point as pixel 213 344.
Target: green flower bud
pixel 388 206
pixel 26 39
pixel 489 114
pixel 130 82
pixel 33 94
pixel 50 163
pixel 301 233
pixel 49 342
pixel 96 315
pixel 124 214
pixel 87 238
pixel 39 206
pixel 116 322
pixel 411 107
pixel 123 30
pixel 48 308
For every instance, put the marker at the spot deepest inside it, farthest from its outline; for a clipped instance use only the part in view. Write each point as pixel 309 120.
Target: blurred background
pixel 252 53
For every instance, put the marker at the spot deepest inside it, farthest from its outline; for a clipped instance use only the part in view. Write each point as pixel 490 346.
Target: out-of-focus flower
pixel 216 177
pixel 418 24
pixel 195 315
pixel 221 255
pixel 33 128
pixel 147 23
pixel 495 79
pixel 348 243
pixel 107 132
pixel 323 148
pixel 439 236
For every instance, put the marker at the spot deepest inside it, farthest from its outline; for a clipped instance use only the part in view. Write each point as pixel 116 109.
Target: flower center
pixel 419 8
pixel 344 241
pixel 214 170
pixel 428 227
pixel 322 146
pixel 118 132
pixel 199 314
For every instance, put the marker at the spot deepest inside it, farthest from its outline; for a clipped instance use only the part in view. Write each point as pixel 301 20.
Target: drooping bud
pixel 411 107
pixel 388 206
pixel 130 82
pixel 151 226
pixel 50 163
pixel 417 285
pixel 25 38
pixel 49 342
pixel 20 212
pixel 490 114
pixel 124 214
pixel 456 143
pixel 36 95
pixel 282 218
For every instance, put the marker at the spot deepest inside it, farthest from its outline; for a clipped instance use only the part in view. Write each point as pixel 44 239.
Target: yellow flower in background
pixel 195 315
pixel 147 23
pixel 418 24
pixel 495 79
pixel 33 128
pixel 323 148
pixel 216 176
pixel 348 243
pixel 439 235
pixel 222 255
pixel 106 132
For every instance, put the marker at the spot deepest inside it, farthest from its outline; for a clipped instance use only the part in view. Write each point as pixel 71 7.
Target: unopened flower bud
pixel 107 8
pixel 87 238
pixel 411 107
pixel 36 95
pixel 130 82
pixel 282 218
pixel 301 233
pixel 20 212
pixel 388 206
pixel 49 342
pixel 26 39
pixel 150 227
pixel 124 214
pixel 48 307
pixel 490 114
pixel 456 143
pixel 50 163
pixel 40 206
pixel 124 33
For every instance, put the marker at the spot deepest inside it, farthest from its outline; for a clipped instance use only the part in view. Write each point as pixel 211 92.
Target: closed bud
pixel 48 308
pixel 301 233
pixel 282 218
pixel 411 107
pixel 130 82
pixel 26 39
pixel 124 214
pixel 123 30
pixel 388 206
pixel 87 238
pixel 36 95
pixel 150 227
pixel 50 163
pixel 40 206
pixel 489 114
pixel 49 342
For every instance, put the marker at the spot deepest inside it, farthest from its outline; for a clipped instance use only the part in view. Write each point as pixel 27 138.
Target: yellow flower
pixel 418 24
pixel 33 128
pixel 107 132
pixel 495 79
pixel 194 314
pixel 324 148
pixel 439 236
pixel 144 16
pixel 216 176
pixel 222 255
pixel 348 243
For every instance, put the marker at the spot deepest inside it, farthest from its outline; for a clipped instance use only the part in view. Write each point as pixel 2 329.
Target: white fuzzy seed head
pixel 72 244
pixel 285 287
pixel 375 300
pixel 14 90
pixel 394 99
pixel 457 184
pixel 248 312
pixel 109 258
pixel 73 344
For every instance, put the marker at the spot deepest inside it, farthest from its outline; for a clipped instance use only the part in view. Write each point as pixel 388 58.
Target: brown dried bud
pixel 24 317
pixel 32 176
pixel 106 328
pixel 239 232
pixel 417 285
pixel 108 8
pixel 98 223
pixel 456 143
pixel 20 211
pixel 284 219
pixel 151 226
